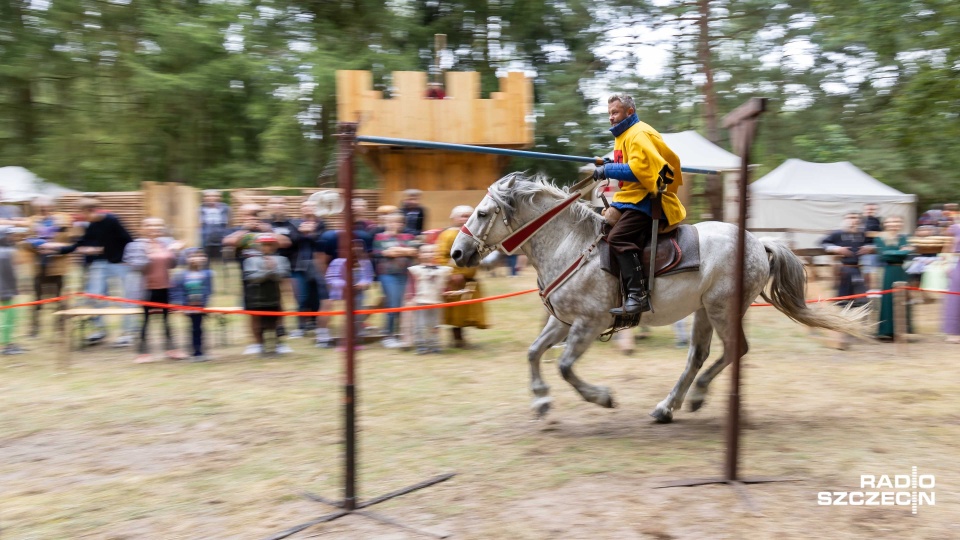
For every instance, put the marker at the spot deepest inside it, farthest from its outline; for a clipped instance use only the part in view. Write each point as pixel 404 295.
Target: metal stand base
pixel 738 485
pixel 347 508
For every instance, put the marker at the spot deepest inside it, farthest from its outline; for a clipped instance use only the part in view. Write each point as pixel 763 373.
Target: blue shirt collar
pixel 624 124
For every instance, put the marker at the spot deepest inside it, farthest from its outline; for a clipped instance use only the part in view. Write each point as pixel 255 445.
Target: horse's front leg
pixel 582 334
pixel 552 333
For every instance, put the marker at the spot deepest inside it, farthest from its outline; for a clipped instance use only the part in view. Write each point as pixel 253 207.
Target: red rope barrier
pixel 305 313
pixel 838 298
pixel 931 290
pixel 41 302
pixel 385 310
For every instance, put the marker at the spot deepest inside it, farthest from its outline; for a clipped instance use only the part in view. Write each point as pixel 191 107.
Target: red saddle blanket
pixel 677 251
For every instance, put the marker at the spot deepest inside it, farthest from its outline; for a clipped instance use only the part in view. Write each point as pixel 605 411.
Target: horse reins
pixel 516 239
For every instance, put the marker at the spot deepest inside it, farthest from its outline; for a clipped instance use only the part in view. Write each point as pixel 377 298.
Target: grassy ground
pixel 223 449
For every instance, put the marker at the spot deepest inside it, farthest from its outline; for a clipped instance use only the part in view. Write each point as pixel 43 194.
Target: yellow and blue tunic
pixel 640 158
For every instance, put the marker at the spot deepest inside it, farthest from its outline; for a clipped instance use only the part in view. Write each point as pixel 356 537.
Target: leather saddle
pixel 678 250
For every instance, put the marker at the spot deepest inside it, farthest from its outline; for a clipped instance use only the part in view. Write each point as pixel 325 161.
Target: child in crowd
pixel 429 281
pixel 151 258
pixel 263 272
pixel 395 253
pixel 362 278
pixel 193 287
pixel 51 229
pixel 8 291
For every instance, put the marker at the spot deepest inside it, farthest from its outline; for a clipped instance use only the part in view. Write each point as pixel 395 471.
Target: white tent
pixel 18 184
pixel 695 152
pixel 812 197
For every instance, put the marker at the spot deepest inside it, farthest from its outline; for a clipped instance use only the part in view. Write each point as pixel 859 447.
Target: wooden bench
pixel 71 317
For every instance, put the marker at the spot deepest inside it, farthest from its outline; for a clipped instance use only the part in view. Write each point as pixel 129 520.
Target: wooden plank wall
pixel 438 204
pixel 128 206
pixel 429 170
pixel 292 203
pixel 178 205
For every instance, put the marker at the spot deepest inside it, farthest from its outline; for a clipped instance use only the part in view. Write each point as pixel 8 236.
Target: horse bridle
pixel 517 238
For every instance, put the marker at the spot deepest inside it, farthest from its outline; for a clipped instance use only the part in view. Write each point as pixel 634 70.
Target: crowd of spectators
pixel 874 253
pixel 285 264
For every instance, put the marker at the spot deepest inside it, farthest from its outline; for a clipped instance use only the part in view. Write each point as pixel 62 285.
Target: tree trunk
pixel 26 124
pixel 714 187
pixel 710 96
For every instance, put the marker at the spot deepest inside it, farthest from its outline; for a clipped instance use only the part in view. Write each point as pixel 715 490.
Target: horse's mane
pixel 517 188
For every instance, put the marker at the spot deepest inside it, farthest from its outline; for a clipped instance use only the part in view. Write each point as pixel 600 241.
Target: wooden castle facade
pixel 446 178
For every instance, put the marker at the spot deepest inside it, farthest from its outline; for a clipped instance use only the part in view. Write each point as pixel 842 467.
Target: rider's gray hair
pixel 623 98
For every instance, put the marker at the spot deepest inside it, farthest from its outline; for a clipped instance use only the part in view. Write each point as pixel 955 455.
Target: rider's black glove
pixel 599 173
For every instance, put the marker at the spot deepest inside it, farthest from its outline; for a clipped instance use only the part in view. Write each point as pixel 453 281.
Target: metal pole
pixel 743 125
pixel 347 135
pixel 432 145
pixel 736 327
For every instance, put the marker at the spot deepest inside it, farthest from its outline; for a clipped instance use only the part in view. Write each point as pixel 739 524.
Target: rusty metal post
pixel 351 505
pixel 900 315
pixel 742 124
pixel 347 136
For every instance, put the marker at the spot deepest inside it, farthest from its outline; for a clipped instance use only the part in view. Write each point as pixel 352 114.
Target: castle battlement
pixel 463 117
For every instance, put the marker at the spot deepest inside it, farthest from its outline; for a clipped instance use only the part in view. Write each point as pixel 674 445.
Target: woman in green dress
pixel 893 250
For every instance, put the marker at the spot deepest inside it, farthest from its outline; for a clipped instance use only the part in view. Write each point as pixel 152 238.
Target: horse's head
pixel 490 223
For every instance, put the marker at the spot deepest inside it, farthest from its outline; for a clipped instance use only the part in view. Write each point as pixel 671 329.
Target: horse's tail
pixel 788 289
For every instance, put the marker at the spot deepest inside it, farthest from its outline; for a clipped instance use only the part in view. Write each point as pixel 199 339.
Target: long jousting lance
pixel 432 145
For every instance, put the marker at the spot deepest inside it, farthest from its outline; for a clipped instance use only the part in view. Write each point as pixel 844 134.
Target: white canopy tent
pixel 19 185
pixel 695 152
pixel 804 196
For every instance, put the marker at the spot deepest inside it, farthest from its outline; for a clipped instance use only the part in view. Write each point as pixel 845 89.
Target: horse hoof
pixel 695 405
pixel 541 406
pixel 662 416
pixel 605 398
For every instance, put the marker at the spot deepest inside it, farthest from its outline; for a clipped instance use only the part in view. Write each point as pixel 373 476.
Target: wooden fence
pixel 292 203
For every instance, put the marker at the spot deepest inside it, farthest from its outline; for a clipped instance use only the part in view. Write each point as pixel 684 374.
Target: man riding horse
pixel 649 176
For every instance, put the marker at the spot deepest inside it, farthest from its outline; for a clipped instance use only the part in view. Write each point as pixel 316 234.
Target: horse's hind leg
pixel 579 340
pixel 552 333
pixel 699 392
pixel 701 336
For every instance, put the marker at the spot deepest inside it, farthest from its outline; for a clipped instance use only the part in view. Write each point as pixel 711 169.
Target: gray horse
pixel 581 304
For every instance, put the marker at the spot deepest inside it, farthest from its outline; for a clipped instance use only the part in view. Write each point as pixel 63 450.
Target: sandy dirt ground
pixel 224 449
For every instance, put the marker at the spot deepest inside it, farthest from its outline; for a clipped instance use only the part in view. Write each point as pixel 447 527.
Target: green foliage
pixel 870 81
pixel 102 95
pixel 828 145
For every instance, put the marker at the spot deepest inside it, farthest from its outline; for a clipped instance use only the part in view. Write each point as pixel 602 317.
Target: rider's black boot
pixel 637 299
